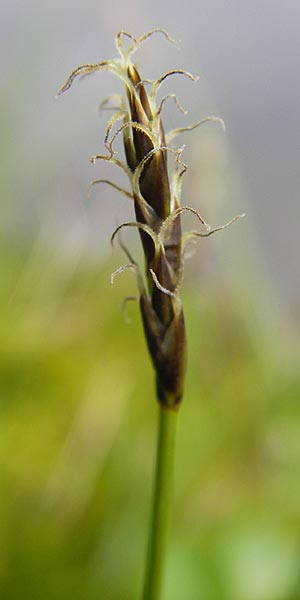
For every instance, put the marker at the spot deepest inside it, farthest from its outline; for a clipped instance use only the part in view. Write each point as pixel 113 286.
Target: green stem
pixel 163 487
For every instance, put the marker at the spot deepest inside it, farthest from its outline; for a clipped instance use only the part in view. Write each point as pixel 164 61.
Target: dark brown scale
pixel 163 321
pixel 162 302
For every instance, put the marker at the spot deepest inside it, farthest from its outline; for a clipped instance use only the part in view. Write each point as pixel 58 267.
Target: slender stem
pixel 163 488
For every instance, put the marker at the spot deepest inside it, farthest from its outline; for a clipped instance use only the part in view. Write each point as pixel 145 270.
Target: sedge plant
pixel 155 190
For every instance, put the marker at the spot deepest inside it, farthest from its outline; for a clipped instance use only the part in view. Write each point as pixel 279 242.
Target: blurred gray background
pixel 247 58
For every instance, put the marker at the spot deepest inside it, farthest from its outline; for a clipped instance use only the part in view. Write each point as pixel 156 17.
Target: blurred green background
pixel 78 413
pixel 78 427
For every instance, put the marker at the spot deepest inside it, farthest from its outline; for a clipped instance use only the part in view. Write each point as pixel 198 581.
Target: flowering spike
pixel 157 207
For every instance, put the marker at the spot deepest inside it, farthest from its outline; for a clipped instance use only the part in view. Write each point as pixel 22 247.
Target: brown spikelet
pixel 157 209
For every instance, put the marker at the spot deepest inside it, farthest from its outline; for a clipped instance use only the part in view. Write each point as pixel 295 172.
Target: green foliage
pixel 77 432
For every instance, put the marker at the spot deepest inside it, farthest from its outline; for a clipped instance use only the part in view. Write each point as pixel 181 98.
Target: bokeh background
pixel 78 415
